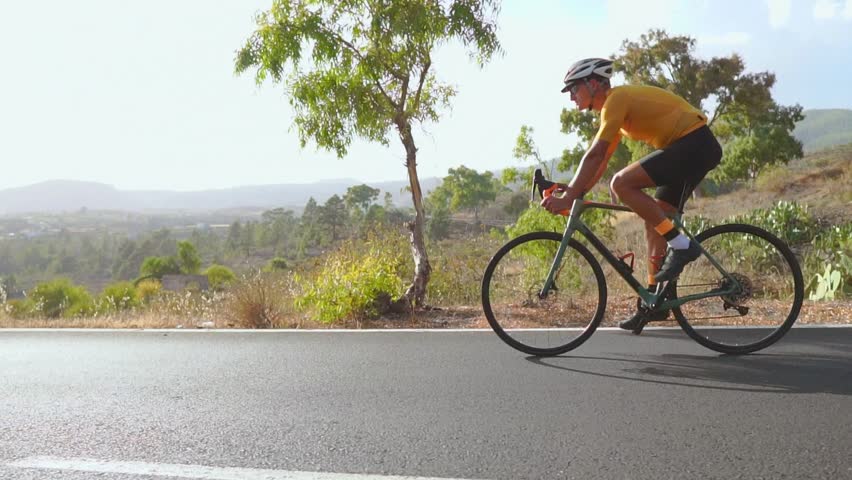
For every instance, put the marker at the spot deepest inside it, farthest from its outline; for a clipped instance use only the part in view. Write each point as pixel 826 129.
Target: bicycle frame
pixel 652 299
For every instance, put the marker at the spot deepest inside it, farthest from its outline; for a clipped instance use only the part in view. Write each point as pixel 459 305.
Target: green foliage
pixel 356 280
pixel 465 189
pixel 696 224
pixel 277 264
pixel 828 283
pixel 370 68
pixel 526 151
pixel 18 308
pixel 789 221
pixel 535 219
pixel 147 290
pixel 832 249
pixel 118 297
pixel 756 142
pixel 333 215
pixel 60 297
pixel 157 267
pixel 438 225
pixel 187 257
pixel 360 197
pixel 219 276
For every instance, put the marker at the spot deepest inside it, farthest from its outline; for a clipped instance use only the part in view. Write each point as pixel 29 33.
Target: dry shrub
pixel 262 300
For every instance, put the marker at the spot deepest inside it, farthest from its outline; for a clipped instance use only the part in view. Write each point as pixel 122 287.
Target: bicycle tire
pixel 495 323
pixel 702 335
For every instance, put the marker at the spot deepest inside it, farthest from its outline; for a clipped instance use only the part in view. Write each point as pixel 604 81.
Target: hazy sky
pixel 142 94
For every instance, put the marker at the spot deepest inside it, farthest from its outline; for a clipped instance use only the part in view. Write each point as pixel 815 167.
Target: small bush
pixel 536 219
pixel 259 301
pixel 277 264
pixel 59 298
pixel 19 308
pixel 357 280
pixel 147 290
pixel 118 297
pixel 219 276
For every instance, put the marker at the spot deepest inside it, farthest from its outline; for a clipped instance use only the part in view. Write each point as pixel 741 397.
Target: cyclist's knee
pixel 618 184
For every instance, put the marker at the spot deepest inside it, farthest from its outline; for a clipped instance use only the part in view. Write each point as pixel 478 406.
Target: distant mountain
pixel 70 195
pixel 824 128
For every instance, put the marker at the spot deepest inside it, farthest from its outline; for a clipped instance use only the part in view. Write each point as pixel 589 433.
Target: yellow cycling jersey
pixel 650 114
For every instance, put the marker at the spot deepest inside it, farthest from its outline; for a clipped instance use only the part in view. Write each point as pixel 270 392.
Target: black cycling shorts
pixel 678 168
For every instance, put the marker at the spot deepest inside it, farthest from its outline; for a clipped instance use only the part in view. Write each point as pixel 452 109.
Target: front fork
pixel 573 220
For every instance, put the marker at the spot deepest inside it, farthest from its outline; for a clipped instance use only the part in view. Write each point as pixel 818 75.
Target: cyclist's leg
pixel 656 242
pixel 627 185
pixel 677 169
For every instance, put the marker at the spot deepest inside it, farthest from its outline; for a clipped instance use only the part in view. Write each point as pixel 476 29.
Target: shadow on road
pixel 780 373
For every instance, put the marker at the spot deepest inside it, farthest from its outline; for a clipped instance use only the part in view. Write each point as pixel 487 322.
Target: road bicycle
pixel 544 293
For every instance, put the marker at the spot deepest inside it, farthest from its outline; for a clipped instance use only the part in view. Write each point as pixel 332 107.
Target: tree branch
pixel 423 73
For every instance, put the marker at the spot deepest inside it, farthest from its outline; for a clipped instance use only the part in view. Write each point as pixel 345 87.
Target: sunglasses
pixel 574 88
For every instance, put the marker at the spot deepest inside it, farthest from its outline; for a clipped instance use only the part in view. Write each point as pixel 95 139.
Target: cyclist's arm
pixel 594 162
pixel 592 166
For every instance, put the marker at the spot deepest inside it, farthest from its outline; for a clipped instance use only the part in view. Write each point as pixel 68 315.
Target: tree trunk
pixel 416 293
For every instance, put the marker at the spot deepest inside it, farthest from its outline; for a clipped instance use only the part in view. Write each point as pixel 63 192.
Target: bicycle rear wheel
pixel 769 294
pixel 563 318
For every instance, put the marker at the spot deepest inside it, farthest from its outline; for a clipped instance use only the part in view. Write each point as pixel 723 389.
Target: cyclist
pixel 685 151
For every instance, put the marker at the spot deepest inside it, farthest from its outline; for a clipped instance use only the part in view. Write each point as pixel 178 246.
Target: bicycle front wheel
pixel 768 285
pixel 556 321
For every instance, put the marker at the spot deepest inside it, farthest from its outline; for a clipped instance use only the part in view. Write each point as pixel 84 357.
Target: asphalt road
pixel 441 404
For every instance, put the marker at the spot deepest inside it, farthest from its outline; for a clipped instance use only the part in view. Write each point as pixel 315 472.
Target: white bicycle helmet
pixel 585 69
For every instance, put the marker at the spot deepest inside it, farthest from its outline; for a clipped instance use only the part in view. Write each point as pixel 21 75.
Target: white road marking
pixel 361 331
pixel 192 471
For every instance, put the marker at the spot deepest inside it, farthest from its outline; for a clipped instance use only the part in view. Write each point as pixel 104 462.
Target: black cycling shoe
pixel 641 318
pixel 676 260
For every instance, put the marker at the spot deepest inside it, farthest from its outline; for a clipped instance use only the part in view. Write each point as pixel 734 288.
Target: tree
pixel 157 267
pixel 360 197
pixel 309 232
pixel 752 143
pixel 370 73
pixel 466 189
pixel 333 215
pixel 188 259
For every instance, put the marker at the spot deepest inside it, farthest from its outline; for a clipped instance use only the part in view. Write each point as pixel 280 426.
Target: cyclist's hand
pixel 555 204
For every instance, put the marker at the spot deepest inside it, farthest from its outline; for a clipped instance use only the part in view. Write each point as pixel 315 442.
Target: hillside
pixel 824 128
pixel 67 196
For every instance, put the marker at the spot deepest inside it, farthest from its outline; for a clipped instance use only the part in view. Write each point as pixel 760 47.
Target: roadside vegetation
pixel 348 262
